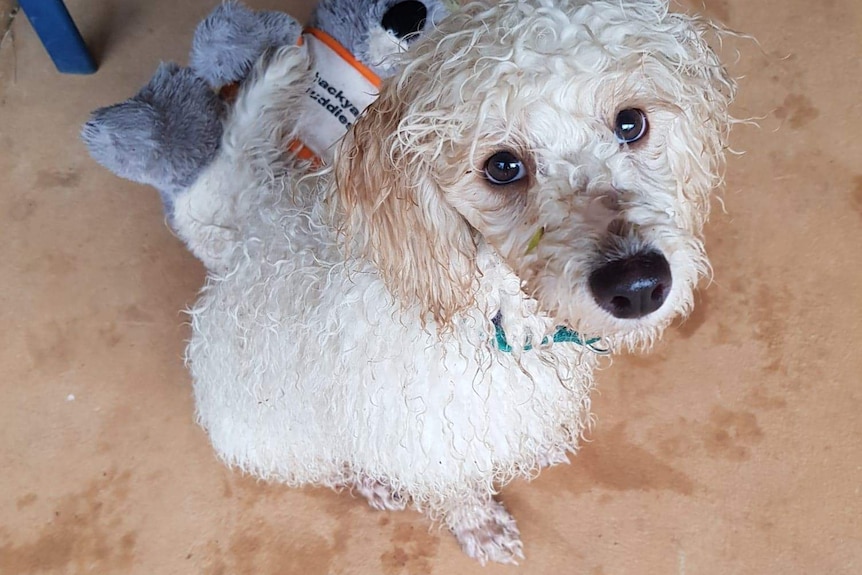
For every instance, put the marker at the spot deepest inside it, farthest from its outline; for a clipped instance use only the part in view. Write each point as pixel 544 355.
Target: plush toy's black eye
pixel 406 19
pixel 504 168
pixel 631 125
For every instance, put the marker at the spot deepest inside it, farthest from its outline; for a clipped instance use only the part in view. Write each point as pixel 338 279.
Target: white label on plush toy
pixel 341 90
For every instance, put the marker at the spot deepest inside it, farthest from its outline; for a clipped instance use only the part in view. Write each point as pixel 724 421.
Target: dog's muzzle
pixel 632 287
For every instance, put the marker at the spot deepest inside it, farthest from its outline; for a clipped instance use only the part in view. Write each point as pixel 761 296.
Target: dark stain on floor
pixel 26 501
pixel 613 462
pixel 770 324
pixel 856 194
pixel 725 434
pixel 85 535
pixel 413 549
pixel 260 543
pixel 53 178
pixel 697 318
pixel 729 434
pixel 798 110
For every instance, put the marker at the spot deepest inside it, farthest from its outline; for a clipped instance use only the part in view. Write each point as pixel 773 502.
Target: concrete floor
pixel 735 448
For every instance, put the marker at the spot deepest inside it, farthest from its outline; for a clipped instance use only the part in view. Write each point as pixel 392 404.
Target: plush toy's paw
pixel 488 533
pixel 231 39
pixel 163 136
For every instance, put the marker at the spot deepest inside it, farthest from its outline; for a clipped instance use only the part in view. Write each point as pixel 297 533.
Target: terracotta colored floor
pixel 736 448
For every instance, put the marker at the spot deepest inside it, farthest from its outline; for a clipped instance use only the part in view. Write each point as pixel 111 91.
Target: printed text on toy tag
pixel 333 100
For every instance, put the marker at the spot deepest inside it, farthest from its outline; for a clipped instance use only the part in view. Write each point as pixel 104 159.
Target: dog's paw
pixel 553 457
pixel 380 496
pixel 490 535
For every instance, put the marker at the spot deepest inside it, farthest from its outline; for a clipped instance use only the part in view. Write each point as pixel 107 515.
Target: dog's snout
pixel 632 287
pixel 406 19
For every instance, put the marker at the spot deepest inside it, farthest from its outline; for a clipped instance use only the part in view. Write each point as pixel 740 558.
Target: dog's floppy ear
pixel 689 72
pixel 394 210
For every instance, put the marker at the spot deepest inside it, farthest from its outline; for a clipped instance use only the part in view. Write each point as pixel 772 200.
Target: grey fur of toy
pixel 171 129
pixel 247 34
pixel 357 25
pixel 167 133
pixel 163 135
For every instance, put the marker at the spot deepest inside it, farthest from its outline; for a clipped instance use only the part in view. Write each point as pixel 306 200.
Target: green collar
pixel 562 335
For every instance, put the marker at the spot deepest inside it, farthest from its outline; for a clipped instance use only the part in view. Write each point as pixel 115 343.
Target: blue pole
pixel 59 35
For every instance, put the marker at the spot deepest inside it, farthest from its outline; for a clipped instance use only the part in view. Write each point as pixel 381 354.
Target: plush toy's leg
pixel 163 136
pixel 229 41
pixel 230 195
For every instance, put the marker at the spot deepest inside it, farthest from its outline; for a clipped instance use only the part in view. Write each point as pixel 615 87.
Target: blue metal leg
pixel 59 35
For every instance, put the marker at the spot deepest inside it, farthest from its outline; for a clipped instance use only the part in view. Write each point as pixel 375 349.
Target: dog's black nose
pixel 405 19
pixel 632 287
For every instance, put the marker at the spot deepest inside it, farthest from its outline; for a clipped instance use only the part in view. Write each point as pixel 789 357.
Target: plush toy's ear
pixel 395 214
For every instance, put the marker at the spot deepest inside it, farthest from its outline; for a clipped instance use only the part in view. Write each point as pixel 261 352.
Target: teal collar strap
pixel 562 335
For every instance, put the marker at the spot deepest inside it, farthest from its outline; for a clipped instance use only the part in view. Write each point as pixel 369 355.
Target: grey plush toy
pixel 170 130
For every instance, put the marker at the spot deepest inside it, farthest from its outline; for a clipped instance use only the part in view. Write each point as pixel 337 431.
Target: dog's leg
pixel 262 121
pixel 213 214
pixel 379 495
pixel 552 457
pixel 485 530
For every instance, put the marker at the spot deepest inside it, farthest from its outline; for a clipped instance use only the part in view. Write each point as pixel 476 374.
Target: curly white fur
pixel 345 333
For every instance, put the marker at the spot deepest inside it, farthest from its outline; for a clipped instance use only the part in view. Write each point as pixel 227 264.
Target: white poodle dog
pixel 419 322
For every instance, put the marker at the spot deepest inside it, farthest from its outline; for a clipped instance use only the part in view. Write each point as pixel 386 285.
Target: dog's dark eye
pixel 631 125
pixel 504 168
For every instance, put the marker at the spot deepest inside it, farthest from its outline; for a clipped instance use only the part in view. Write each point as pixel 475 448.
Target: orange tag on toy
pixel 342 88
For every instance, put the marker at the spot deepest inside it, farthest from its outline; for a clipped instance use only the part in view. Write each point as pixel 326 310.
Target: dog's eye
pixel 504 168
pixel 631 125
